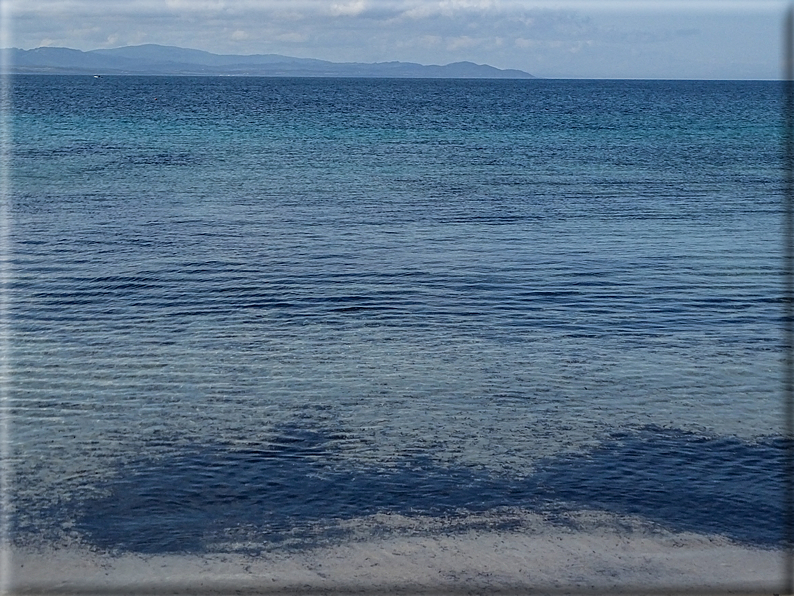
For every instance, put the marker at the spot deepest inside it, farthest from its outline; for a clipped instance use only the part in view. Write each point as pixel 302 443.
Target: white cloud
pixel 348 9
pixel 240 35
pixel 195 5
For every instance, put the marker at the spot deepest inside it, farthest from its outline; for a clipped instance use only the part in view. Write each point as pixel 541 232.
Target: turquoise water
pixel 263 305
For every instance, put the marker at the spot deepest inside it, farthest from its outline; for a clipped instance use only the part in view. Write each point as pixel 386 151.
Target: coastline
pixel 603 553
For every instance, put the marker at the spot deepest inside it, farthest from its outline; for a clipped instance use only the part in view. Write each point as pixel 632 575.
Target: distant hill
pixel 154 59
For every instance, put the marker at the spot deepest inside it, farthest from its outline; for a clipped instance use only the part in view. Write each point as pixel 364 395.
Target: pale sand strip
pixel 544 559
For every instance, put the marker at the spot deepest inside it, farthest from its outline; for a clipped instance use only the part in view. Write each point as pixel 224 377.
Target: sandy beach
pixel 596 553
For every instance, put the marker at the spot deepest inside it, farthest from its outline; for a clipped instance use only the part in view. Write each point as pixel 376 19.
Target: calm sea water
pixel 245 310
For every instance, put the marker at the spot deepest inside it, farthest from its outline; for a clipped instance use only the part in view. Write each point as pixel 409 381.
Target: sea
pixel 247 314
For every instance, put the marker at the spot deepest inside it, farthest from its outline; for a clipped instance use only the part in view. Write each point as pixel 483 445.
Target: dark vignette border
pixel 788 255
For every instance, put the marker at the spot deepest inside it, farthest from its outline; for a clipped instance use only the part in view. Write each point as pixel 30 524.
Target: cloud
pixel 195 5
pixel 349 9
pixel 240 35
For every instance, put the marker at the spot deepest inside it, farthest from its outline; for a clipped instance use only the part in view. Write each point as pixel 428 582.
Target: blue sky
pixel 681 39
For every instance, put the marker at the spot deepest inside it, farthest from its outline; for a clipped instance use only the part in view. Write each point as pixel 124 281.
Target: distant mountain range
pixel 154 59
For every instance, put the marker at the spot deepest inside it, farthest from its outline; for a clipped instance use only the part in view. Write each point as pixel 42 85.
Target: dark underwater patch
pixel 684 481
pixel 281 493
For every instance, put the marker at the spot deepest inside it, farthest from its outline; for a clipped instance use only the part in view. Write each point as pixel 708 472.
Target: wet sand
pixel 597 552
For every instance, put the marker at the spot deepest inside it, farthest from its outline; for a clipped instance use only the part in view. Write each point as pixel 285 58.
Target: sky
pixel 645 39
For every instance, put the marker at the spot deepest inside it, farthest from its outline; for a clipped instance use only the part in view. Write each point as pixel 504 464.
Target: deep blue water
pixel 262 306
pixel 286 492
